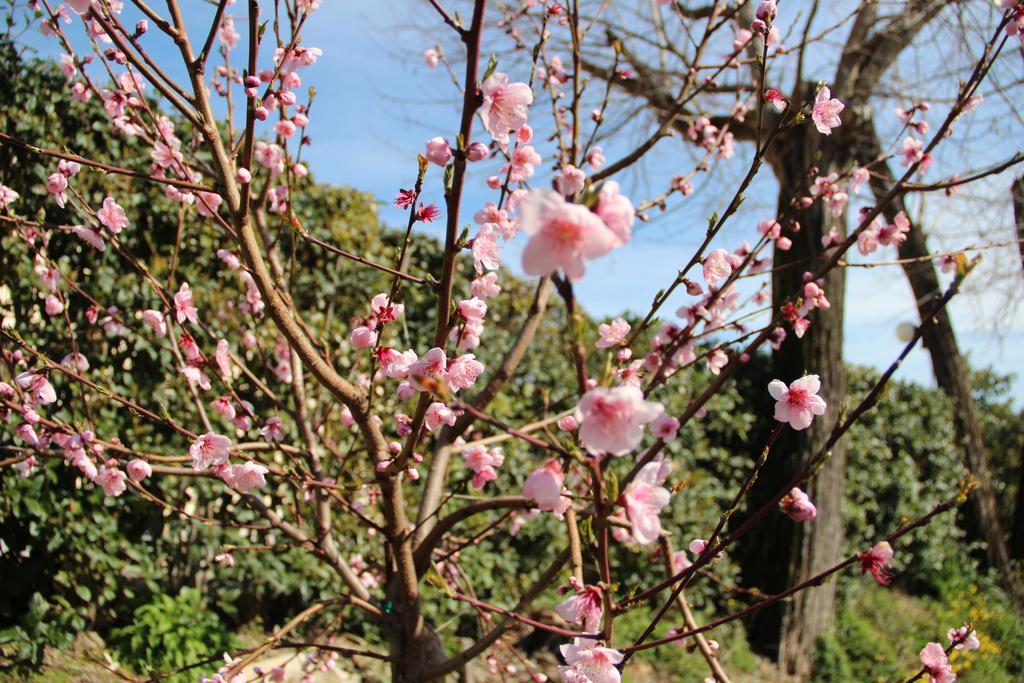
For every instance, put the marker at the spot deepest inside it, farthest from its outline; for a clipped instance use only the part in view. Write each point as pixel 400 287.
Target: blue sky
pixel 377 103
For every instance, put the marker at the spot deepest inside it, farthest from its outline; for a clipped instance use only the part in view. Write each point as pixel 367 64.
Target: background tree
pixel 323 456
pixel 873 52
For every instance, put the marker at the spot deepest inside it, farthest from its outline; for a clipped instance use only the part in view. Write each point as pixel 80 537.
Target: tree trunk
pixel 1017 538
pixel 1017 193
pixel 797 551
pixel 951 375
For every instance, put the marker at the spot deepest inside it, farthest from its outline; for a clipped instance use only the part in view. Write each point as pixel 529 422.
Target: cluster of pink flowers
pixel 212 451
pixel 710 136
pixel 435 372
pixel 483 462
pixel 382 311
pixel 881 234
pixel 81 449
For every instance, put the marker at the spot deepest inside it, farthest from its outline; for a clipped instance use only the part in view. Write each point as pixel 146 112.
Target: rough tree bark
pixel 790 630
pixel 1017 193
pixel 1017 537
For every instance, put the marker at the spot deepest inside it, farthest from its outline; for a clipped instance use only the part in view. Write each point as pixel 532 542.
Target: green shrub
pixel 171 632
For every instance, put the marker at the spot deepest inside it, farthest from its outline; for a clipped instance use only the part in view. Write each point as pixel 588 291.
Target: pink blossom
pixel 247 476
pixel 222 357
pixel 26 466
pixel 484 463
pixel 895 234
pixel 505 105
pixel 155 319
pixel 284 128
pixel 596 159
pixel 139 470
pixel 472 309
pixel 583 607
pixel 363 337
pixel 570 180
pixel 35 384
pixel 27 433
pixel 717 360
pixel 967 637
pixel 56 184
pixel 766 11
pixel 485 286
pixel 799 403
pixel 53 306
pixel 477 151
pixel 486 252
pixel 196 377
pixel 665 427
pixel 463 372
pixel 189 348
pixel 89 236
pixel 384 310
pixel 296 57
pixel 208 450
pixel 644 499
pixel 567 423
pixel 825 112
pixel 612 334
pixel 438 414
pixel 112 480
pixel 184 307
pixel 876 560
pixel 717 267
pixel 859 177
pixel 814 297
pixel 112 216
pixel 427 373
pixel 775 98
pixel 611 420
pixel 431 57
pixel 936 663
pixel 427 213
pixel 867 239
pixel 272 429
pixel 208 203
pixel 438 151
pixel 562 235
pixel 616 211
pixel 911 151
pixel 521 165
pixel 544 486
pixel 698 545
pixel 798 506
pixel 7 196
pixel 75 361
pixel 590 662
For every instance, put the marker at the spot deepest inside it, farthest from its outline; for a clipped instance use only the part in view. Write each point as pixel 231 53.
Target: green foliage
pixel 880 631
pixel 171 632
